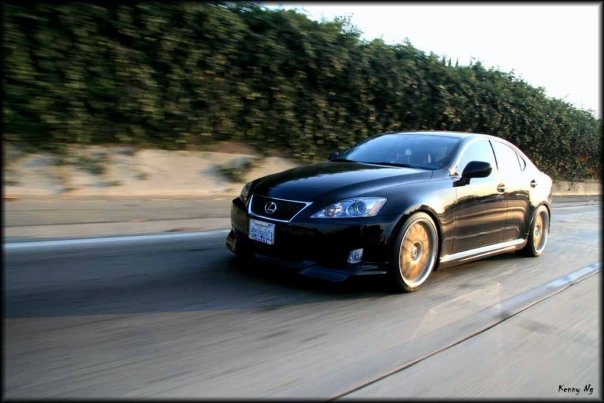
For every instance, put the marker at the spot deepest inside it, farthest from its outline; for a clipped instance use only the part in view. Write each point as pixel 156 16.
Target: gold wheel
pixel 538 234
pixel 418 251
pixel 540 231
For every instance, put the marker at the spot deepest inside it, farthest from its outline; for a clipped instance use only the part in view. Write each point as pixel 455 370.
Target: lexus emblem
pixel 270 207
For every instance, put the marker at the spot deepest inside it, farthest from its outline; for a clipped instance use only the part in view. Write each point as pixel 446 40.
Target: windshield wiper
pixel 393 164
pixel 341 160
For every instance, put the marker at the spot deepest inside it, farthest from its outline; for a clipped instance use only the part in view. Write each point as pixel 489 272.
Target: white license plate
pixel 262 232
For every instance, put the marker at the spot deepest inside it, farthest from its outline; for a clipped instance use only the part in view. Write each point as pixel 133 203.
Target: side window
pixel 507 160
pixel 479 150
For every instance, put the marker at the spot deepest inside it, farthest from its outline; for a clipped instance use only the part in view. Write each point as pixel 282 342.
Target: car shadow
pixel 181 284
pixel 186 278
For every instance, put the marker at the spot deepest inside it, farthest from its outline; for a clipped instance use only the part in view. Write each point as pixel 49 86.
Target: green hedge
pixel 179 74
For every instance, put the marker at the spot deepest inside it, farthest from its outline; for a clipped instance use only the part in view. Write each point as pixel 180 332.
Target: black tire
pixel 538 234
pixel 414 253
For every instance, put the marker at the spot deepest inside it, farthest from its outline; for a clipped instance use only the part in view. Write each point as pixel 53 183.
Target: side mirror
pixel 476 169
pixel 333 155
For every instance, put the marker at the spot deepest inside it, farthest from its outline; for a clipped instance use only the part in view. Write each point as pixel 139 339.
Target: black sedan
pixel 401 204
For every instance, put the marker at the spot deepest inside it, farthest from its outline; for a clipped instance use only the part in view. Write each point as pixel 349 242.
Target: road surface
pixel 174 316
pixel 73 217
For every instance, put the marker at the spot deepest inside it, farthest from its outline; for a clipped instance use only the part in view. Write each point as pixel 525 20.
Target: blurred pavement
pixel 45 218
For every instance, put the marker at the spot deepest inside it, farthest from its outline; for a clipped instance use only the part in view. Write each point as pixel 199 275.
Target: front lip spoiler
pixel 311 268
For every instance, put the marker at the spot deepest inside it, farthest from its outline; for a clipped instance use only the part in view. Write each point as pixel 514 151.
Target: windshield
pixel 407 150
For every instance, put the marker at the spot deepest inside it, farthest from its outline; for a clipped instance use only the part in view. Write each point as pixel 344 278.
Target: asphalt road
pixel 86 210
pixel 36 218
pixel 46 218
pixel 176 317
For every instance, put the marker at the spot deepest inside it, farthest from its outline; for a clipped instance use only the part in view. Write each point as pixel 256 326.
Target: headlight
pixel 245 192
pixel 349 208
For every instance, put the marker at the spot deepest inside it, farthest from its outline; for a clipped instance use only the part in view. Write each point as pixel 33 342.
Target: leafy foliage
pixel 189 73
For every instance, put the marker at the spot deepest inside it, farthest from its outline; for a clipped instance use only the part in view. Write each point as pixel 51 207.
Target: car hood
pixel 340 179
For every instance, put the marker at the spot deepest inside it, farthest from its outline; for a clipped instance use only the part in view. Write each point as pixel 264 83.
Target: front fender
pixel 437 199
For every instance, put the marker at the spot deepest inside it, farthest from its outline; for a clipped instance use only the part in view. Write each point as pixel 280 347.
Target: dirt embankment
pixel 127 171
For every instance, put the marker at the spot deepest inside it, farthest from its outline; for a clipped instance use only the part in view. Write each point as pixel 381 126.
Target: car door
pixel 516 190
pixel 480 208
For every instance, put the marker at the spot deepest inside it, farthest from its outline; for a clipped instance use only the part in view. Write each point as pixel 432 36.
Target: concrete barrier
pixel 568 188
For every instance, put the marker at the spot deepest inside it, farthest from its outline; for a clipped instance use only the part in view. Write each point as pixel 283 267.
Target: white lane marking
pixel 576 207
pixel 104 241
pixel 572 277
pixel 492 315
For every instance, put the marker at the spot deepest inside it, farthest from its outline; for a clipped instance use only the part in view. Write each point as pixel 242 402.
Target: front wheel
pixel 539 233
pixel 415 252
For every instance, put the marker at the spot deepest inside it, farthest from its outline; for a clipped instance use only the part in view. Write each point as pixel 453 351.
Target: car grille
pixel 285 209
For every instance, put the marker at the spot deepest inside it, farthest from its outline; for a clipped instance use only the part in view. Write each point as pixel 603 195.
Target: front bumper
pixel 317 247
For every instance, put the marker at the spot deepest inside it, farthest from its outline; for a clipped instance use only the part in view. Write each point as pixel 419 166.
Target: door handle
pixel 533 183
pixel 501 187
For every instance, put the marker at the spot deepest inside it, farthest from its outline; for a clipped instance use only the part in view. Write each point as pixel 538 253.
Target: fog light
pixel 355 256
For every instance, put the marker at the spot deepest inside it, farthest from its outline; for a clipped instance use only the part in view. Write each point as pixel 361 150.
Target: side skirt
pixel 485 251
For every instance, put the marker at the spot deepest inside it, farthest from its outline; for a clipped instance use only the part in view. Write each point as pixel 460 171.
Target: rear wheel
pixel 539 233
pixel 415 252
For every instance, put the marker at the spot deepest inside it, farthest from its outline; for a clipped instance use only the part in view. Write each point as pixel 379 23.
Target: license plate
pixel 262 232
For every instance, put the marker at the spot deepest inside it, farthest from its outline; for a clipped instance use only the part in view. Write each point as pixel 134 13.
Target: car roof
pixel 444 133
pixel 460 135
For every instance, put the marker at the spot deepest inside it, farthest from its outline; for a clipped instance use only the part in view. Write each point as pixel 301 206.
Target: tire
pixel 415 252
pixel 538 234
